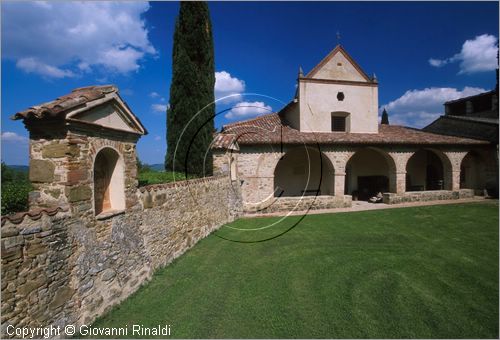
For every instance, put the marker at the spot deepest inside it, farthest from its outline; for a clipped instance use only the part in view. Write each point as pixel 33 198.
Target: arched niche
pixel 109 182
pixel 303 171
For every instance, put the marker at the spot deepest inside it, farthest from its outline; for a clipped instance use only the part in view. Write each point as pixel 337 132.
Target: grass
pixel 148 177
pixel 423 272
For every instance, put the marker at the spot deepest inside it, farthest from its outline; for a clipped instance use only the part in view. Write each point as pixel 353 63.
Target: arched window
pixel 109 186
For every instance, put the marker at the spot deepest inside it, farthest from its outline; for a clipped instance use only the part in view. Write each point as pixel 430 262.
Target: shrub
pixel 15 196
pixel 147 177
pixel 15 190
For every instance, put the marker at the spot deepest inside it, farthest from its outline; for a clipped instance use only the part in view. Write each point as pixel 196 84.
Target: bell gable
pixel 338 65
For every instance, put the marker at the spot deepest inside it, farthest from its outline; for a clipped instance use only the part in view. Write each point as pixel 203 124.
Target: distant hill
pixel 157 167
pixel 20 168
pixel 25 168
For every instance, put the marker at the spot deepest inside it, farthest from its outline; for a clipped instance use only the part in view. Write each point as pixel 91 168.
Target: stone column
pixel 221 162
pixel 455 180
pixel 339 183
pixel 339 159
pixel 397 180
pixel 52 165
pixel 452 171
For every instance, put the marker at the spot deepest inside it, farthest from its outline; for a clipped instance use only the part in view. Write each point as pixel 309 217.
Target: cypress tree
pixel 191 92
pixel 385 117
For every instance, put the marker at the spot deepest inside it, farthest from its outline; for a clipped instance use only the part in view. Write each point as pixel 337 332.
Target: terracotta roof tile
pixel 223 141
pixel 270 129
pixel 34 214
pixel 57 107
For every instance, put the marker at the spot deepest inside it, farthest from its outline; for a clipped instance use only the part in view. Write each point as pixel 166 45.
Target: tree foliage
pixel 385 118
pixel 15 190
pixel 190 124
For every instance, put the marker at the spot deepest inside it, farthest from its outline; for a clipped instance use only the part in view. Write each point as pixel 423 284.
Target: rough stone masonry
pixel 59 268
pixel 92 237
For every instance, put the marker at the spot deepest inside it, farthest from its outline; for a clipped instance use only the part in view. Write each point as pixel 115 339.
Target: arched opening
pixel 426 170
pixel 472 172
pixel 367 174
pixel 303 171
pixel 109 187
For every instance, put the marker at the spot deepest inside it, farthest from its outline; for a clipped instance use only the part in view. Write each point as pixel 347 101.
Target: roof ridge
pixel 330 55
pixel 471 96
pixel 267 115
pixel 485 120
pixel 91 87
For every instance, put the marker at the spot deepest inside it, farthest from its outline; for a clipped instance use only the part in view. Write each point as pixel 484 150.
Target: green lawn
pixel 424 272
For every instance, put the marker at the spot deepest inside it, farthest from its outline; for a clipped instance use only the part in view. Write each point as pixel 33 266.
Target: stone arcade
pixel 326 147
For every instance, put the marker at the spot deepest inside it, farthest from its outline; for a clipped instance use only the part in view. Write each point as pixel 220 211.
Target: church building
pixel 326 148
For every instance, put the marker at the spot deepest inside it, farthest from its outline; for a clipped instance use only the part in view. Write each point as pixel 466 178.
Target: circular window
pixel 340 96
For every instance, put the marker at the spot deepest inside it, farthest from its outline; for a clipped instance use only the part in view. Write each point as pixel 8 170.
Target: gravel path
pixel 362 206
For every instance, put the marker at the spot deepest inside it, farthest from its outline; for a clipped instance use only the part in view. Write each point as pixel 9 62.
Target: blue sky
pixel 423 53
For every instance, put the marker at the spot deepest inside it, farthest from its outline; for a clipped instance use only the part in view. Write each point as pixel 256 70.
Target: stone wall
pixel 433 195
pixel 197 206
pixel 59 267
pixel 289 204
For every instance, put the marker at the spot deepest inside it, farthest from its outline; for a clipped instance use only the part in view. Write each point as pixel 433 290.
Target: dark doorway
pixel 369 186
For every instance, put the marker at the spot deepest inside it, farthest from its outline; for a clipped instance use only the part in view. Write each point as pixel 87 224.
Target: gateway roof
pixel 77 104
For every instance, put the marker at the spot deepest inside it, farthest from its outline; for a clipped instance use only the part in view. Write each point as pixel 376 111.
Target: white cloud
pixel 63 39
pixel 159 107
pixel 127 92
pixel 477 55
pixel 8 136
pixel 228 86
pixel 224 82
pixel 248 109
pixel 32 65
pixel 120 60
pixel 156 95
pixel 418 108
pixel 437 62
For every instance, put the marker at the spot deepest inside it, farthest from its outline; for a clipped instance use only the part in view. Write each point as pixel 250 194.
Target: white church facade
pixel 327 147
